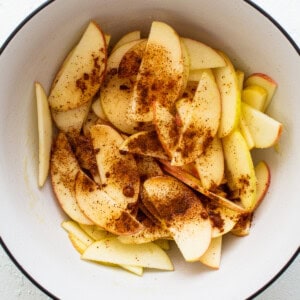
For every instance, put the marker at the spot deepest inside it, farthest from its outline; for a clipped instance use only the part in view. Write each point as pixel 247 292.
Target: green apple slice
pixel 181 212
pixel 210 165
pixel 44 133
pixel 161 74
pixel 102 209
pixel 127 38
pixel 265 82
pixel 111 250
pixel 64 168
pixel 83 72
pixel 118 171
pixel 265 131
pixel 202 56
pixel 212 256
pixel 240 169
pixel 230 97
pixel 144 143
pixel 255 96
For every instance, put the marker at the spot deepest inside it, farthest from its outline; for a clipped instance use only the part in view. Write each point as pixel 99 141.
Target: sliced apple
pixel 118 170
pixel 230 97
pixel 255 96
pixel 181 212
pixel 71 121
pixel 91 120
pixel 210 165
pixel 265 131
pixel 147 167
pixel 111 250
pixel 116 93
pixel 64 168
pixel 98 110
pixel 161 74
pixel 245 131
pixel 95 232
pixel 163 244
pixel 212 256
pixel 240 75
pixel 44 133
pixel 202 56
pixel 242 227
pixel 186 66
pixel 265 82
pixel 203 123
pixel 195 75
pixel 195 184
pixel 240 169
pixel 128 37
pixel 83 72
pixel 144 143
pixel 102 209
pixel 77 243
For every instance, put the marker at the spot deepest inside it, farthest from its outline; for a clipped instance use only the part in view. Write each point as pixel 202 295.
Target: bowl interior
pixel 30 217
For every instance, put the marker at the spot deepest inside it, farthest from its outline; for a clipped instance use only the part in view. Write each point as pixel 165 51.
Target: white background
pixel 13 284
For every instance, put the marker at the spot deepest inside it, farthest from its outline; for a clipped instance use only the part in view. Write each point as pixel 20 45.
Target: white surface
pixel 13 285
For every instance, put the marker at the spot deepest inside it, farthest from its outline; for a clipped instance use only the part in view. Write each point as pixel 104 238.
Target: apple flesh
pixel 44 133
pixel 147 167
pixel 265 131
pixel 111 250
pixel 245 131
pixel 255 96
pixel 212 256
pixel 161 74
pixel 202 56
pixel 64 168
pixel 127 38
pixel 240 75
pixel 230 97
pixel 83 72
pixel 264 81
pixel 181 212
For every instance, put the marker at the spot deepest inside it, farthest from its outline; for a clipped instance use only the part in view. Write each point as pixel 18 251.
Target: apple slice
pixel 161 74
pixel 95 232
pixel 203 124
pixel 242 227
pixel 91 120
pixel 77 243
pixel 118 170
pixel 163 244
pixel 195 75
pixel 265 82
pixel 98 110
pixel 212 256
pixel 144 143
pixel 128 37
pixel 181 212
pixel 255 96
pixel 210 165
pixel 147 167
pixel 245 131
pixel 202 56
pixel 111 250
pixel 44 132
pixel 230 97
pixel 265 131
pixel 64 168
pixel 240 75
pixel 83 72
pixel 71 121
pixel 239 168
pixel 102 209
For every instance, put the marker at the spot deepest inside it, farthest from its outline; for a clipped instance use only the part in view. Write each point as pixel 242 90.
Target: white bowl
pixel 30 218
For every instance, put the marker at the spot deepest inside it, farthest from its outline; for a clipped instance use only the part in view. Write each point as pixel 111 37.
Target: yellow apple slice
pixel 255 96
pixel 128 37
pixel 71 121
pixel 144 143
pixel 195 75
pixel 203 123
pixel 210 165
pixel 161 74
pixel 181 212
pixel 242 227
pixel 230 97
pixel 116 93
pixel 265 131
pixel 111 250
pixel 102 209
pixel 64 168
pixel 77 243
pixel 95 232
pixel 265 82
pixel 118 170
pixel 240 169
pixel 245 131
pixel 212 256
pixel 240 75
pixel 83 72
pixel 195 184
pixel 163 244
pixel 202 56
pixel 44 133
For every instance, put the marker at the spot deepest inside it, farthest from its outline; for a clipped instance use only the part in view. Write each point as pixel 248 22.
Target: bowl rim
pixel 47 3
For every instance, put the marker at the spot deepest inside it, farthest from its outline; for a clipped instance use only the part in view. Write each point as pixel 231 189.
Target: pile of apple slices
pixel 153 145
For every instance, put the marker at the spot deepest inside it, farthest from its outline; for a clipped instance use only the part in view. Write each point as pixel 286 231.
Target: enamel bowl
pixel 30 217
